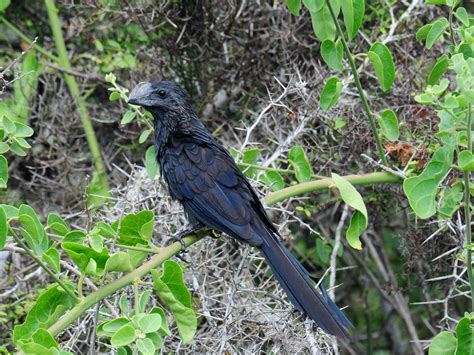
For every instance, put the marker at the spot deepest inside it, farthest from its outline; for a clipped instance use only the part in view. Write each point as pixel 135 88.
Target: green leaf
pixel 381 59
pixel 273 179
pixel 443 344
pixel 136 228
pixel 150 162
pixel 110 78
pixel 8 125
pixel 57 224
pixel 184 315
pixel 75 236
pixel 149 323
pixel 3 228
pixel 4 147
pixel 156 339
pixel 4 4
pixel 313 5
pixel 466 160
pixel 143 300
pixel 52 257
pixel 119 262
pixel 82 257
pixel 352 197
pixel 107 329
pixel 95 242
pixel 32 230
pixel 123 303
pixel 465 334
pixel 3 172
pixel 144 135
pixel 124 336
pixel 332 54
pixel 16 149
pixel 353 11
pixel 114 96
pixel 128 117
pixel 438 69
pixel 164 329
pixel 173 278
pixel 450 201
pixel 436 31
pixel 323 25
pixel 330 94
pixel 22 143
pixel 293 6
pixel 10 211
pixel 44 338
pixel 298 160
pixel 423 32
pixel 389 125
pixel 105 230
pixel 146 346
pixel 22 130
pixel 421 190
pixel 464 75
pixel 462 15
pixel 50 306
pixel 250 156
pixel 356 228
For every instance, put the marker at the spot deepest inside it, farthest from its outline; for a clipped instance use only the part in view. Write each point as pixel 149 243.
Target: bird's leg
pixel 186 231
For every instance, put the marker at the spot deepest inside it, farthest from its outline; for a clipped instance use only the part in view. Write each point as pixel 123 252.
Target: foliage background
pixel 238 58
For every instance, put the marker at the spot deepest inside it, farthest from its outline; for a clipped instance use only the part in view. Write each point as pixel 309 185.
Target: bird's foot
pixel 188 230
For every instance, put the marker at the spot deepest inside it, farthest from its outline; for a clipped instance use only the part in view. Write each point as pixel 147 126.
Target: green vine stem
pixel 467 210
pixel 310 186
pixel 63 61
pixel 43 265
pixel 175 248
pixel 363 98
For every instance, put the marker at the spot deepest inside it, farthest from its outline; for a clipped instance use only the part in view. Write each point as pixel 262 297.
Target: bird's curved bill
pixel 141 95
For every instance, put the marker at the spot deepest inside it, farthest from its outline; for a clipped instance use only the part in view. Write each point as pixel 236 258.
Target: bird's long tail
pixel 300 289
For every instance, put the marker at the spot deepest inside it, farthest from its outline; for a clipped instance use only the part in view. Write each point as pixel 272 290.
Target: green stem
pixel 94 297
pixel 175 248
pixel 467 210
pixel 366 179
pixel 363 98
pixel 38 48
pixel 43 265
pixel 63 61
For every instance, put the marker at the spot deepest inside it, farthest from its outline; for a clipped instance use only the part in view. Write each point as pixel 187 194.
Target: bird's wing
pixel 211 187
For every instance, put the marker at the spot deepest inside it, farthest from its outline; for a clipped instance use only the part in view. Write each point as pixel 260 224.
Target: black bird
pixel 202 175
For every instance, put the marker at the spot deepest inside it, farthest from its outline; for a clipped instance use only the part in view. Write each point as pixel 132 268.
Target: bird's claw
pixel 179 238
pixel 180 235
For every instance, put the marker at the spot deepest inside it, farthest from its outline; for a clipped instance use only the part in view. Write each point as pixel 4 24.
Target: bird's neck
pixel 169 123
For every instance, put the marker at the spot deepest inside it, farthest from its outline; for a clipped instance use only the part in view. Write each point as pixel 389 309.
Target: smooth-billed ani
pixel 203 176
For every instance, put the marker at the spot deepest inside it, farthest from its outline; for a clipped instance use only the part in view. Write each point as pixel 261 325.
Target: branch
pixel 175 248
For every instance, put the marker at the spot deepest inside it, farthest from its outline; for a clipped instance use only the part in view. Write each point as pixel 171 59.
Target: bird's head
pixel 160 96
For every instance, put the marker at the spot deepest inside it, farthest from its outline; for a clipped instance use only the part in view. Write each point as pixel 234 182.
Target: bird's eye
pixel 162 93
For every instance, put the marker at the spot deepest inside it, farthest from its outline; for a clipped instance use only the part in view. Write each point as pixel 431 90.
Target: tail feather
pixel 295 280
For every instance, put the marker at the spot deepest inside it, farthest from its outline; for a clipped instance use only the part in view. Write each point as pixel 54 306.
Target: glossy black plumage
pixel 203 176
